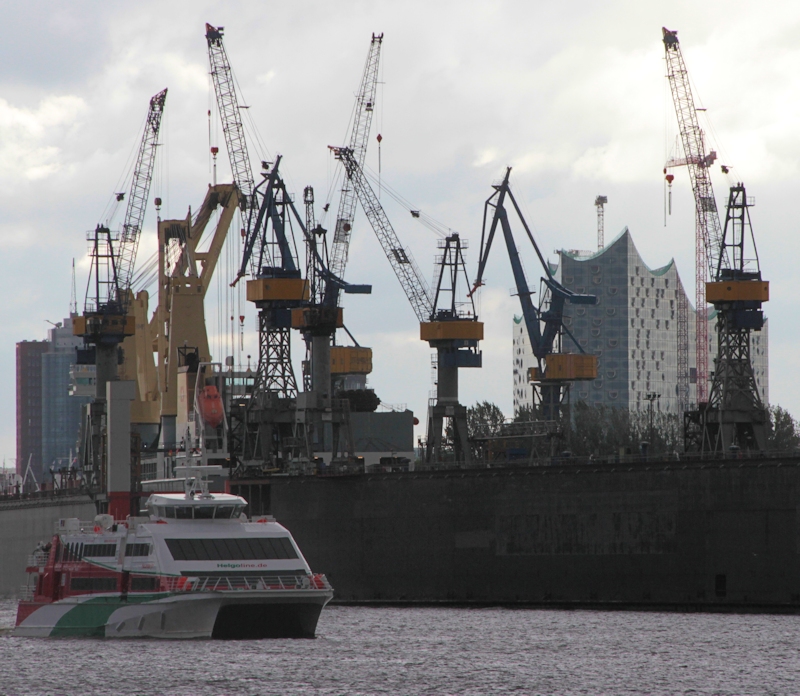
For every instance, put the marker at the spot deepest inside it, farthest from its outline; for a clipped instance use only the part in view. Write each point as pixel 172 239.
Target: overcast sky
pixel 571 94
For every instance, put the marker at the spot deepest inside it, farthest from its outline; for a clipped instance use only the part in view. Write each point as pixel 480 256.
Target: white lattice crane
pixel 708 231
pixel 359 138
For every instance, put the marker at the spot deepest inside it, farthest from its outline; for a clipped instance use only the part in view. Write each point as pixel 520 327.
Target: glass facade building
pixel 61 412
pixel 48 417
pixel 633 329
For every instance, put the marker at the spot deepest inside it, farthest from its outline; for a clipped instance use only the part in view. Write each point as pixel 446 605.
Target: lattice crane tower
pixel 600 202
pixel 708 231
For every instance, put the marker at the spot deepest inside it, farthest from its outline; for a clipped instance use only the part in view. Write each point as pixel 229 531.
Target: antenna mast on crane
pixel 599 202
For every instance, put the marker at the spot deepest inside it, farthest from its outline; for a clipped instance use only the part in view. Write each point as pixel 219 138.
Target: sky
pixel 571 95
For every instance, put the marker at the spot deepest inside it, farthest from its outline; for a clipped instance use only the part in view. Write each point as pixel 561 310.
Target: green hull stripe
pixel 89 618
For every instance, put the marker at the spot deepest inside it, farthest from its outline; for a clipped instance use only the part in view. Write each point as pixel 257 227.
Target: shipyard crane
pixel 735 417
pixel 185 275
pixel 454 330
pixel 106 321
pixel 545 323
pixel 320 321
pixel 276 285
pixel 732 415
pixel 282 297
pixel 708 231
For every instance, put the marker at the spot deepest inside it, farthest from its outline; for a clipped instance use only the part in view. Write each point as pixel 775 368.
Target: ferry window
pixel 170 510
pixel 204 512
pixel 230 549
pixel 99 550
pixel 183 512
pixel 137 549
pixel 144 584
pixel 93 584
pixel 224 512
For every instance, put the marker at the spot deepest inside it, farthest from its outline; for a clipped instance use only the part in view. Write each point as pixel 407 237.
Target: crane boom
pixel 228 105
pixel 137 198
pixel 544 323
pixel 708 231
pixel 403 264
pixel 362 122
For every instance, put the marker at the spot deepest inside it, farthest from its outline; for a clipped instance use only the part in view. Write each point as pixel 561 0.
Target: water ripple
pixel 468 652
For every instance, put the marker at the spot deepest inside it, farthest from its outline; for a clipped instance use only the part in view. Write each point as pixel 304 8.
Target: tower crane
pixel 733 414
pixel 453 330
pixel 359 137
pixel 106 322
pixel 320 320
pixel 545 323
pixel 708 231
pixel 230 116
pixel 276 285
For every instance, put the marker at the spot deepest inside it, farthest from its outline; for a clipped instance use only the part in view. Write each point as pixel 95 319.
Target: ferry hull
pixel 201 615
pixel 254 619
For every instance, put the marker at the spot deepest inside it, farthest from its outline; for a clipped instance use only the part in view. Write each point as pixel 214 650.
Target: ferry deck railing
pixel 243 583
pixel 38 559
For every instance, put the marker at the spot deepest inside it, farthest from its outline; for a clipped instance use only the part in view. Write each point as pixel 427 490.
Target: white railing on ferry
pixel 244 583
pixel 38 559
pixel 25 593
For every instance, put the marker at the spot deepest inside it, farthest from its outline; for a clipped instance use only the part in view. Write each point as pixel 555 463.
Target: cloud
pixel 28 137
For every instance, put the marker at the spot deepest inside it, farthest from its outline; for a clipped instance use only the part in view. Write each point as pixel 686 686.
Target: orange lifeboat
pixel 209 402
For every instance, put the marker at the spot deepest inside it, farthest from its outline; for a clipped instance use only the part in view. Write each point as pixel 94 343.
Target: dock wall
pixel 719 533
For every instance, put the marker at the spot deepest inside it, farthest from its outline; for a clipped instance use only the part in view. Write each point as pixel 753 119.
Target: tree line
pixel 605 431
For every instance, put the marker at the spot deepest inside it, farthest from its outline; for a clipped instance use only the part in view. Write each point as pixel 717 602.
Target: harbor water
pixel 388 650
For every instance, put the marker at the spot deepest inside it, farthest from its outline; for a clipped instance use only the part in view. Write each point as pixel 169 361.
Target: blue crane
pixel 544 323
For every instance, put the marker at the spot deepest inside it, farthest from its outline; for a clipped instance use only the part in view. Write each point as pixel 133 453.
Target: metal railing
pixel 38 559
pixel 25 593
pixel 243 583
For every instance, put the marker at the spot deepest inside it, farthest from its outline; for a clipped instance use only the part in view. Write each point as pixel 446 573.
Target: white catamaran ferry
pixel 194 567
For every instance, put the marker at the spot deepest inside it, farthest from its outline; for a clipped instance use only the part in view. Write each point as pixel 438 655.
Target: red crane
pixel 708 230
